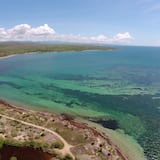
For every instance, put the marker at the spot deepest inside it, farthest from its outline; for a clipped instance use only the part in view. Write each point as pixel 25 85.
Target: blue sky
pixel 108 21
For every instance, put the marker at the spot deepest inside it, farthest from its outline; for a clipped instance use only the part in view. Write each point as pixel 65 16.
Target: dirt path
pixel 65 150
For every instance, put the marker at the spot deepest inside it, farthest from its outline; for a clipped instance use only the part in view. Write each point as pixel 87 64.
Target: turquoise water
pixel 121 86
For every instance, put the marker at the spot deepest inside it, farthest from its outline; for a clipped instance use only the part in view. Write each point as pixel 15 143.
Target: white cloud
pixel 42 30
pixel 19 29
pixel 25 32
pixel 123 36
pixel 3 33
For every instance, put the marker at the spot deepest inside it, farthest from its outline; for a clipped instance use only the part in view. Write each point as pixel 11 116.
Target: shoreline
pixel 7 56
pixel 127 145
pixel 41 52
pixel 72 122
pixel 13 48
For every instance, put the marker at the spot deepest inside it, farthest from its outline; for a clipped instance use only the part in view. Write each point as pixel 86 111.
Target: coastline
pixel 125 143
pixel 108 139
pixel 74 123
pixel 84 125
pixel 11 48
pixel 22 97
pixel 7 56
pixel 39 52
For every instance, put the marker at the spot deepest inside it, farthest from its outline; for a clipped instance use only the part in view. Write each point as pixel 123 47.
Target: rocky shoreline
pixel 69 122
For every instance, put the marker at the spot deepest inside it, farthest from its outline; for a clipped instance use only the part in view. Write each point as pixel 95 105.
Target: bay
pixel 120 86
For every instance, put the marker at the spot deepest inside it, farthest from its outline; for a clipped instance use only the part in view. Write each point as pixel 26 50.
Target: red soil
pixel 23 153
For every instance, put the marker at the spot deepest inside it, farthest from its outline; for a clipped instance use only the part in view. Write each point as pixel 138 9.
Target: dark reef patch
pixel 110 123
pixel 11 84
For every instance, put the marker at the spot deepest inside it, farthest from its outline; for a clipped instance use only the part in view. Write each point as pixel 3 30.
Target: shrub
pixel 58 144
pixel 67 157
pixel 13 158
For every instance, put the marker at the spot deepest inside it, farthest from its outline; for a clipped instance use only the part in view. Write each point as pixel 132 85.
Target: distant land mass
pixel 10 48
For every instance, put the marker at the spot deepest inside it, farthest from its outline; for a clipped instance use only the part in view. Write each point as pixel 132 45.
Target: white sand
pixel 7 56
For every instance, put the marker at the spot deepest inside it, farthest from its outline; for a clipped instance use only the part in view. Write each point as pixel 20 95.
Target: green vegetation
pixel 1 143
pixel 11 142
pixel 67 157
pixel 9 48
pixel 60 157
pixel 58 145
pixel 13 158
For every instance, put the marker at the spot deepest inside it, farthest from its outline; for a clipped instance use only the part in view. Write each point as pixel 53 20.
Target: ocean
pixel 118 89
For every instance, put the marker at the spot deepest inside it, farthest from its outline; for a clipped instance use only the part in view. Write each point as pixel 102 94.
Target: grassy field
pixel 9 48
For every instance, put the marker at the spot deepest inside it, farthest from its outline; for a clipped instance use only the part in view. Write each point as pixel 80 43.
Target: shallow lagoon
pixel 121 85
